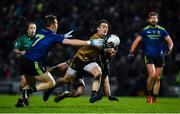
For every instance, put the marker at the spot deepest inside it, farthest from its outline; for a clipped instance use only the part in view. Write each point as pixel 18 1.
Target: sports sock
pixel 149 93
pixel 93 92
pixel 155 95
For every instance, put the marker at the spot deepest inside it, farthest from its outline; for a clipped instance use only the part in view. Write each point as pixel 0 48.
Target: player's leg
pixel 47 81
pixel 150 81
pixel 73 93
pixel 78 88
pixel 151 77
pixel 22 81
pixel 69 76
pixel 159 63
pixel 24 95
pixel 95 70
pixel 157 83
pixel 22 84
pixel 106 85
pixel 62 67
pixel 107 89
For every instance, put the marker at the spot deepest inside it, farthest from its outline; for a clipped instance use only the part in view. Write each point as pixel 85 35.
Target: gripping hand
pixel 96 42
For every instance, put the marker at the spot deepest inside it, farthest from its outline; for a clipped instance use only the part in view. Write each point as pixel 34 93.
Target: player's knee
pixel 152 75
pixel 52 83
pixel 97 74
pixel 67 79
pixel 97 77
pixel 158 78
pixel 79 91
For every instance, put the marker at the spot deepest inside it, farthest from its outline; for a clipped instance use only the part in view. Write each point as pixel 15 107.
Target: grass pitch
pixel 81 105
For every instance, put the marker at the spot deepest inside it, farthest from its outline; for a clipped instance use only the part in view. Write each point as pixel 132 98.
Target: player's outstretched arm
pixel 76 42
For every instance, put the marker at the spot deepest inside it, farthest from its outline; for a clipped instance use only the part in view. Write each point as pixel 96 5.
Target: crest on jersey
pixel 148 32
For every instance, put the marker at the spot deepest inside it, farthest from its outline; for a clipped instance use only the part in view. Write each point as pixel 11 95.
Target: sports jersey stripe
pixel 145 60
pixel 146 27
pixel 38 69
pixel 159 27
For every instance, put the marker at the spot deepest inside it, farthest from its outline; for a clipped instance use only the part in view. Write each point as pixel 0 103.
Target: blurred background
pixel 126 17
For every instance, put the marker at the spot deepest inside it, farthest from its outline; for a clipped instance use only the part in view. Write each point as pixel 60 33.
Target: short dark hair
pixel 49 19
pixel 102 21
pixel 29 23
pixel 153 14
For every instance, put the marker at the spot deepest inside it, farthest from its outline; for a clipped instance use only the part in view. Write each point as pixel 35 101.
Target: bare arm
pixel 170 43
pixel 106 86
pixel 135 43
pixel 75 42
pixel 107 90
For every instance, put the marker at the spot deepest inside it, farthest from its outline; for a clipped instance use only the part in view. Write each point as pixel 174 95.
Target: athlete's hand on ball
pixel 68 35
pixel 109 45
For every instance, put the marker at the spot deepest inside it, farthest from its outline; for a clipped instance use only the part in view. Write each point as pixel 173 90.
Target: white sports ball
pixel 114 39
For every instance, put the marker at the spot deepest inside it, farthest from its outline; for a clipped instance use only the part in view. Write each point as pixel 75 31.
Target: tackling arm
pixel 76 42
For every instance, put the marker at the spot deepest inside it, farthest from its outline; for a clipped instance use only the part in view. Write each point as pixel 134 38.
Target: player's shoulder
pixel 95 36
pixel 42 30
pixel 22 37
pixel 161 28
pixel 146 28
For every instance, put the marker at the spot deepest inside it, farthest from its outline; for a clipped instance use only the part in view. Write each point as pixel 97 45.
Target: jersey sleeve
pixel 141 33
pixel 58 38
pixel 164 33
pixel 17 44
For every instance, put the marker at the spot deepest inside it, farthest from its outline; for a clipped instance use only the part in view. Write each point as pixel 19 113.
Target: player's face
pixel 153 20
pixel 111 52
pixel 55 26
pixel 103 29
pixel 31 30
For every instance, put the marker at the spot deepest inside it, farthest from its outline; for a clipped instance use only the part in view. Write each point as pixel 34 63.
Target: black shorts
pixel 158 61
pixel 20 72
pixel 30 68
pixel 105 70
pixel 77 82
pixel 78 65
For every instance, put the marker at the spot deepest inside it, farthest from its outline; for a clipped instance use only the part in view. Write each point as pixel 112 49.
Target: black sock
pixel 93 92
pixel 20 88
pixel 155 95
pixel 149 93
pixel 34 89
pixel 30 91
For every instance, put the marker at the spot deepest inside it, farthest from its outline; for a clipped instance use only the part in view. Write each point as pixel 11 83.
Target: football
pixel 114 39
